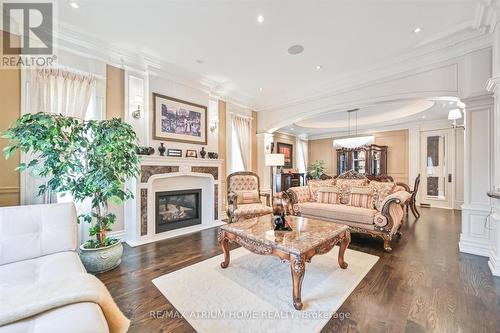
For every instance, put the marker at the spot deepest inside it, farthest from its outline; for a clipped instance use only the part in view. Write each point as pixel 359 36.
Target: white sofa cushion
pixel 40 269
pixel 76 318
pixel 338 212
pixel 28 232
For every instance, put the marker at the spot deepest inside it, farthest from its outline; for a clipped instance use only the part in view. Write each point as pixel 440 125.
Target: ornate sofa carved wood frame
pixel 386 232
pixel 232 198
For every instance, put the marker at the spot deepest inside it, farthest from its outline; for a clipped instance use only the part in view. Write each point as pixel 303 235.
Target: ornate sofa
pixel 381 214
pixel 243 196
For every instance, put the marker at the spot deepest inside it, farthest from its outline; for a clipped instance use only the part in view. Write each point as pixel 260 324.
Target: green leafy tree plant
pixel 87 159
pixel 317 169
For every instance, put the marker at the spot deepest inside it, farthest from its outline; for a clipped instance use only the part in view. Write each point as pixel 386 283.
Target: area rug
pixel 254 294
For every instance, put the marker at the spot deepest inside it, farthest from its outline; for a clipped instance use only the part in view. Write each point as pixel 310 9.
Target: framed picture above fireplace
pixel 178 120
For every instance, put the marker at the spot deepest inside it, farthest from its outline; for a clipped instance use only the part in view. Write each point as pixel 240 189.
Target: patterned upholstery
pixel 242 182
pixel 243 192
pixel 314 184
pixel 251 210
pixel 338 212
pixel 300 193
pixel 361 196
pixel 345 187
pixel 381 191
pixel 328 194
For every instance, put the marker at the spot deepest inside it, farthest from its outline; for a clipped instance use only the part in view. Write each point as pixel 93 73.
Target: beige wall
pixel 115 92
pixel 115 108
pixel 10 97
pixel 397 153
pixel 322 150
pixel 286 138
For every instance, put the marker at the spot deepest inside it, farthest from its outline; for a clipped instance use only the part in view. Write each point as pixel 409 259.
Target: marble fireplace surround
pixel 169 174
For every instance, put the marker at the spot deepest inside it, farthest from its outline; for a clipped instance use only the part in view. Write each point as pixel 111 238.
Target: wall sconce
pixel 213 125
pixel 137 101
pixel 454 115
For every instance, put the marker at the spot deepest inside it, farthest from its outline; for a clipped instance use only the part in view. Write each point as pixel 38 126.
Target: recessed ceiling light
pixel 318 67
pixel 260 18
pixel 295 49
pixel 423 117
pixel 417 30
pixel 74 5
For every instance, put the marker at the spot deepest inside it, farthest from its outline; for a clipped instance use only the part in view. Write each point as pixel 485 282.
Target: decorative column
pixel 264 141
pixel 477 234
pixel 494 194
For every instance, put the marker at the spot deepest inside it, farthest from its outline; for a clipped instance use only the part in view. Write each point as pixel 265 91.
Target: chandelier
pixel 353 141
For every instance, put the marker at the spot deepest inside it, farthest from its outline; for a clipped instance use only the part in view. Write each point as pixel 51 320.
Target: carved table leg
pixel 224 243
pixel 297 265
pixel 343 246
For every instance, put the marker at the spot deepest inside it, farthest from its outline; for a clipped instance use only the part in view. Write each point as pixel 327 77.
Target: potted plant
pixel 317 169
pixel 90 160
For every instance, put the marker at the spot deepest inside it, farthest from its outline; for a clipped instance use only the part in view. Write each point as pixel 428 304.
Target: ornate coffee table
pixel 308 238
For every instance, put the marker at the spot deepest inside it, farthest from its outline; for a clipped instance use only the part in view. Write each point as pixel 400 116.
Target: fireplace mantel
pixel 181 173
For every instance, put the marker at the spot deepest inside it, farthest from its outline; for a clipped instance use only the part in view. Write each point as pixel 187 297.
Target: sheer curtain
pixel 302 153
pixel 61 91
pixel 241 129
pixel 55 90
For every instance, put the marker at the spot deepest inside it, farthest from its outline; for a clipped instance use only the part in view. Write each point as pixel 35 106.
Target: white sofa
pixel 38 243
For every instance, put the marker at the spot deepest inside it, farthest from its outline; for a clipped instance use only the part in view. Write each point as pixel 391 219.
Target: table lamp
pixel 274 160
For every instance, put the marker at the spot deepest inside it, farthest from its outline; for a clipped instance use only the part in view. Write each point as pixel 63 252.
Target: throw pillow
pixel 361 196
pixel 314 184
pixel 247 197
pixel 328 194
pixel 345 187
pixel 380 191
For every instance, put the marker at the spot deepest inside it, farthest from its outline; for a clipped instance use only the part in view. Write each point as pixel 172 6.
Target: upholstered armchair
pixel 244 197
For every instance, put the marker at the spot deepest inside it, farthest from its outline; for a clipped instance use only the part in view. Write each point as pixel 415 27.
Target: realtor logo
pixel 34 21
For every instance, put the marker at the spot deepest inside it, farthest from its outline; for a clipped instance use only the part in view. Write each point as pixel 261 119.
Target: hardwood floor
pixel 424 285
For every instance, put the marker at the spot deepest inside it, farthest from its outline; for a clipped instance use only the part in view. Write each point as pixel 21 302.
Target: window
pixel 236 159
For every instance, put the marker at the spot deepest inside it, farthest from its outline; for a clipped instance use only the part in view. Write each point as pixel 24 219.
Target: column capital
pixel 493 84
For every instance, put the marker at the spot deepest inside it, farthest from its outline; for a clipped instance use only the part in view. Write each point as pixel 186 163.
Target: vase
pixel 162 149
pixel 101 259
pixel 203 152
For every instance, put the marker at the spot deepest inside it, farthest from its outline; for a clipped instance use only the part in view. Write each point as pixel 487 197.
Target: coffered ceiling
pixel 222 43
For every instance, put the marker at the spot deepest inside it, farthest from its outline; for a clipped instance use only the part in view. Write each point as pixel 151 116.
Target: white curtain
pixel 55 90
pixel 242 126
pixel 302 153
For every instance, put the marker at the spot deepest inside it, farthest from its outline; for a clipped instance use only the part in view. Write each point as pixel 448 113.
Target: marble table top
pixel 307 233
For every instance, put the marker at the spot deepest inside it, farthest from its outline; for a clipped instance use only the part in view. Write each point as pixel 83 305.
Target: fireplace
pixel 177 209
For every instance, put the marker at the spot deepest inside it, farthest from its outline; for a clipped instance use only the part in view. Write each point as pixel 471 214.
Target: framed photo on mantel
pixel 178 120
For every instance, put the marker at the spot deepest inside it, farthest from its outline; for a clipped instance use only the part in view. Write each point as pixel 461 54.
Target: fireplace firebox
pixel 177 209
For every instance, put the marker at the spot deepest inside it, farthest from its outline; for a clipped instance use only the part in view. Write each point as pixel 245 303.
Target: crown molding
pixel 414 62
pixel 456 41
pixel 76 41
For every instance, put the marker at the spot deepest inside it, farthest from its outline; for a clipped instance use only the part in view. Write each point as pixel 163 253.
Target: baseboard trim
pixel 494 264
pixel 120 234
pixel 466 246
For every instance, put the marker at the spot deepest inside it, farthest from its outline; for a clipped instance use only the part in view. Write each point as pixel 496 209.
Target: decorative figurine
pixel 162 149
pixel 279 218
pixel 203 152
